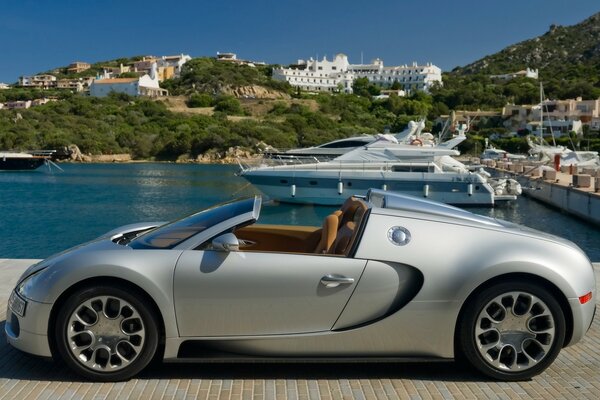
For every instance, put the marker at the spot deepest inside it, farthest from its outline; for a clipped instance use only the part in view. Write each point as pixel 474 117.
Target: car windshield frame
pixel 173 234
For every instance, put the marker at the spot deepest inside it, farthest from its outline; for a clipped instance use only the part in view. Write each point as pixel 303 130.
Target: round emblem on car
pixel 398 235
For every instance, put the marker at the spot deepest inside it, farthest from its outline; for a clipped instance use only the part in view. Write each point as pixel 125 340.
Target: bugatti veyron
pixel 386 277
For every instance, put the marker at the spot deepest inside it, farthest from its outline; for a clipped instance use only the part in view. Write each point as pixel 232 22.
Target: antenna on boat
pixel 542 117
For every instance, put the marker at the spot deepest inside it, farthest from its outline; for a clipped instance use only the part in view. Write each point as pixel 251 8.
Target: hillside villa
pixel 146 85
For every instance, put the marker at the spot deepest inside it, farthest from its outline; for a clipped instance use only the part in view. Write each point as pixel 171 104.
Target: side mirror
pixel 226 242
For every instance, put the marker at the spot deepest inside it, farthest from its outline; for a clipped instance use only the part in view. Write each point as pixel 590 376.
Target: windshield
pixel 170 235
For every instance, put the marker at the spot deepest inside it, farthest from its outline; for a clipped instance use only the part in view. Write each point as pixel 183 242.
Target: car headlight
pixel 26 284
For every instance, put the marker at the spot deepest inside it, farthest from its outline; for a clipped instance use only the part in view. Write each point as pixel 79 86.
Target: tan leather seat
pixel 352 210
pixel 328 234
pixel 344 239
pixel 339 228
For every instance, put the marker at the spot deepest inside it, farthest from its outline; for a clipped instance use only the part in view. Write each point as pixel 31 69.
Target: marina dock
pixel 573 190
pixel 575 374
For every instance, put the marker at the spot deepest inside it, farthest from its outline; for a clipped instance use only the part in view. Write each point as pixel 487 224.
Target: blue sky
pixel 40 35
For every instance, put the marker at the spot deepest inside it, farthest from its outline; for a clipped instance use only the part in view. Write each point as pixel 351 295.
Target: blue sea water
pixel 42 213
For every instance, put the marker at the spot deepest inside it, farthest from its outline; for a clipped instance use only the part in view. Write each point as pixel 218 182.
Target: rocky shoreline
pixel 230 156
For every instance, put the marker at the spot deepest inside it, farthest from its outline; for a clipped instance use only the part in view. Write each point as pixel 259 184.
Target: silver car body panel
pixel 246 293
pixel 403 300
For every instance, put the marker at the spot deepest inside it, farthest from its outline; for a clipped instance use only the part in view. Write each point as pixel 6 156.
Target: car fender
pixel 149 270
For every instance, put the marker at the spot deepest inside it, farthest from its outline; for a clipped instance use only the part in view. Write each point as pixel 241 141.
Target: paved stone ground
pixel 574 375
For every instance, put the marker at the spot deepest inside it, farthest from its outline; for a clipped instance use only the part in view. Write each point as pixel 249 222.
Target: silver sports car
pixel 386 277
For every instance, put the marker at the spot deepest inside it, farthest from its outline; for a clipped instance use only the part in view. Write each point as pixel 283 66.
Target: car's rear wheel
pixel 106 333
pixel 512 331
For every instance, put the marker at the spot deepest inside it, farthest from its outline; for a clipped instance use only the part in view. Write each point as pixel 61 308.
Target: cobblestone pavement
pixel 574 375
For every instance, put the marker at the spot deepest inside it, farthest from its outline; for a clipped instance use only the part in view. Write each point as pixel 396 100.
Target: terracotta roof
pixel 115 80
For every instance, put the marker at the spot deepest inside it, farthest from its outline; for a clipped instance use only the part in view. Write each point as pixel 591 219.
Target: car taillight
pixel 585 298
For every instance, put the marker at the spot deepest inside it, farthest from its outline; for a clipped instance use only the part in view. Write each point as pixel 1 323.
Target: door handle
pixel 334 280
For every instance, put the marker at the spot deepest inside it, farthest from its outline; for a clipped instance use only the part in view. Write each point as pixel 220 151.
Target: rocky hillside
pixel 568 52
pixel 207 75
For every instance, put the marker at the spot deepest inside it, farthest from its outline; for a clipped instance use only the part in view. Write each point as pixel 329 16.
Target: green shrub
pixel 200 100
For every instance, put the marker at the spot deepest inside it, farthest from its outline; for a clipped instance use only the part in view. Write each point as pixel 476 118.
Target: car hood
pixel 95 245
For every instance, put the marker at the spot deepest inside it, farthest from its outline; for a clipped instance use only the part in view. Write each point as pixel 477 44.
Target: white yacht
pixel 546 153
pixel 421 171
pixel 336 148
pixel 492 153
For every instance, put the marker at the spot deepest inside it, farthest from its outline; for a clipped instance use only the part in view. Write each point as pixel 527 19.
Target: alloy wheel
pixel 515 331
pixel 105 333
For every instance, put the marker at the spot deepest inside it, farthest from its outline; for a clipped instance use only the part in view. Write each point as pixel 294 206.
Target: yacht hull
pixel 20 163
pixel 317 187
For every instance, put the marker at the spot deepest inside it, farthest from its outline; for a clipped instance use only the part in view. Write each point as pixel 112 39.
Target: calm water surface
pixel 42 213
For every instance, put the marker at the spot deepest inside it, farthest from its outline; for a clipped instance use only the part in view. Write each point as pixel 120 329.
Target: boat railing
pixel 41 153
pixel 276 161
pixel 303 163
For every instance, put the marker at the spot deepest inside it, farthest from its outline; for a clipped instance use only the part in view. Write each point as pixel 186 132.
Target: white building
pixel 556 128
pixel 526 73
pixel 232 58
pixel 410 77
pixel 174 61
pixel 146 85
pixel 43 81
pixel 17 105
pixel 338 75
pixel 4 86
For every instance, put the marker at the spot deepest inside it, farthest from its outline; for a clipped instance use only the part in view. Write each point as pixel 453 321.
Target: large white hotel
pixel 338 75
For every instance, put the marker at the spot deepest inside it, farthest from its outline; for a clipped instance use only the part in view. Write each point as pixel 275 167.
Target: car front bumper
pixel 29 332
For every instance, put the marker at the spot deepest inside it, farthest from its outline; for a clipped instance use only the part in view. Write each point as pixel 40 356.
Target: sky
pixel 37 36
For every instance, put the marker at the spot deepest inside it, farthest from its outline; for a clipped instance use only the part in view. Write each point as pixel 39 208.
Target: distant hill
pixel 566 52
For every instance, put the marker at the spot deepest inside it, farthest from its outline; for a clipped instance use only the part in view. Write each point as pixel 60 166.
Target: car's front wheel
pixel 512 330
pixel 106 333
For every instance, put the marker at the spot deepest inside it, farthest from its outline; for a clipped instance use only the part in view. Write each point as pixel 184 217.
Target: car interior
pixel 336 236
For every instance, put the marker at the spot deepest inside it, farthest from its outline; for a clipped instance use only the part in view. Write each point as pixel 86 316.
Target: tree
pixel 360 87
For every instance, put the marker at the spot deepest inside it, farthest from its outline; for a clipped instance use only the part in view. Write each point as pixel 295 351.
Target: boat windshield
pixel 170 235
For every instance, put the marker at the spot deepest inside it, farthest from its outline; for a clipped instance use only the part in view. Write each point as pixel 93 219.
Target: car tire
pixel 511 331
pixel 106 333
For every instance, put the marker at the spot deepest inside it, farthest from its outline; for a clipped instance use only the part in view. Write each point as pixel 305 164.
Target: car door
pixel 241 293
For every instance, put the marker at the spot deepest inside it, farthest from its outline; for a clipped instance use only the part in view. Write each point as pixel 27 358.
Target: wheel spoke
pixel 86 315
pixel 81 340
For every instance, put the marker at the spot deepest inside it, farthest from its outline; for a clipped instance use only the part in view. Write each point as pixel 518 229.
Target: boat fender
pixel 293 190
pixel 384 187
pixel 514 187
pixel 340 187
pixel 470 189
pixel 426 191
